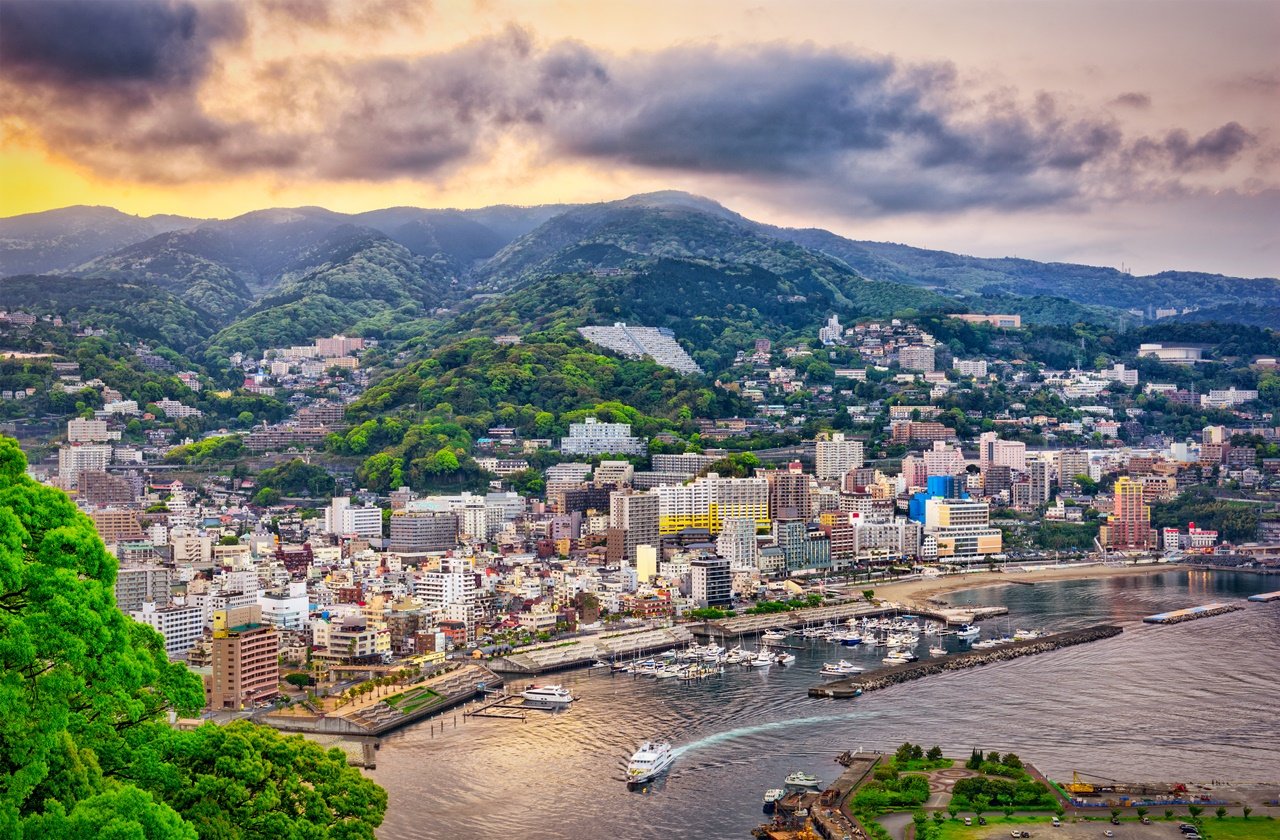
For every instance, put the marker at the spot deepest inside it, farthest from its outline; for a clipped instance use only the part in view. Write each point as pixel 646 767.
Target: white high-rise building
pixel 362 522
pixel 81 457
pixel 591 437
pixel 87 431
pixel 710 500
pixel 333 514
pixel 181 626
pixel 837 456
pixel 737 543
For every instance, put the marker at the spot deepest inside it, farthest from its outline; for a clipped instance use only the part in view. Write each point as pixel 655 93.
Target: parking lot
pixel 1093 830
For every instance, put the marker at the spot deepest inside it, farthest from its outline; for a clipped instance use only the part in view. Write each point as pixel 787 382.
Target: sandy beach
pixel 921 591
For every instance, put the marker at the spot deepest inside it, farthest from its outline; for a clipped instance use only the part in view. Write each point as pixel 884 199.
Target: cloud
pixel 108 44
pixel 1133 99
pixel 120 91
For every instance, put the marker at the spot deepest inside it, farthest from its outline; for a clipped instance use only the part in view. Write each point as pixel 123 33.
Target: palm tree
pixel 1194 811
pixel 1142 812
pixel 1221 812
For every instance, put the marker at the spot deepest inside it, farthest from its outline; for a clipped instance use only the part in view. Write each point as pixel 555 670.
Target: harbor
pixel 1192 613
pixel 856 685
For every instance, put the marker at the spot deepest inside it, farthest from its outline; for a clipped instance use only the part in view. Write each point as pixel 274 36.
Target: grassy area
pixel 924 765
pixel 411 700
pixel 1238 828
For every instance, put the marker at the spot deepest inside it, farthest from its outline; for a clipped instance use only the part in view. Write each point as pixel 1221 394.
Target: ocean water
pixel 1188 702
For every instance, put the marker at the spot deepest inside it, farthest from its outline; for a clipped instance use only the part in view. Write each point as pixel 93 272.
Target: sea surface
pixel 1189 702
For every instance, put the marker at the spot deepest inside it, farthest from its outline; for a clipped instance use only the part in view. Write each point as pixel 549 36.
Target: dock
pixel 1192 613
pixel 1265 597
pixel 749 625
pixel 883 678
pixel 500 705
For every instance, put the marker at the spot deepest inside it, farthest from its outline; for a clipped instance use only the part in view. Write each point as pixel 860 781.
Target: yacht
pixel 850 639
pixel 969 631
pixel 784 658
pixel 937 651
pixel 649 761
pixel 839 669
pixel 546 697
pixel 799 781
pixel 896 658
pixel 774 636
pixel 762 659
pixel 1025 635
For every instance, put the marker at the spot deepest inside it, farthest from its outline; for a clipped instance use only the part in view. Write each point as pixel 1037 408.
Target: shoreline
pixel 932 590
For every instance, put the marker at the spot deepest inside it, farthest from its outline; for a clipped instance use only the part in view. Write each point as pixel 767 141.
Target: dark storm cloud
pixel 1216 149
pixel 858 133
pixel 101 43
pixel 1133 99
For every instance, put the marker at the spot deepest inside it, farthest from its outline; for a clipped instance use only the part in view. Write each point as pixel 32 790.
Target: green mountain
pixel 58 240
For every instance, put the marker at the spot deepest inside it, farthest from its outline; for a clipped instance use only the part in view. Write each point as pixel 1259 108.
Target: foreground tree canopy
pixel 85 748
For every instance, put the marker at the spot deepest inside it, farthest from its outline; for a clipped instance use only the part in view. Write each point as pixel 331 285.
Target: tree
pixel 1142 812
pixel 1221 813
pixel 980 804
pixel 1194 811
pixel 904 754
pixel 1247 811
pixel 934 754
pixel 84 747
pixel 953 809
pixel 1115 812
pixel 1008 811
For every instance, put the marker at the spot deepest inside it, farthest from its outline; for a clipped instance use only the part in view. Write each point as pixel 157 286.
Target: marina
pixel 1192 613
pixel 899 673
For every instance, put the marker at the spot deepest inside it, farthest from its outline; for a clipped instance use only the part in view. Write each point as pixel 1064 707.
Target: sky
pixel 1134 133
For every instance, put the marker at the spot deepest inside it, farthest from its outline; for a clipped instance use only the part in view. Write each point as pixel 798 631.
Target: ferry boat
pixel 649 761
pixel 546 697
pixel 771 797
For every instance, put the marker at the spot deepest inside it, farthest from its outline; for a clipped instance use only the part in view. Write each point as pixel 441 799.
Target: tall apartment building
pixel 425 531
pixel 977 368
pixel 637 516
pixel 81 457
pixel 591 437
pixel 711 582
pixel 737 543
pixel 917 357
pixel 707 502
pixel 1129 524
pixel 1038 481
pixel 1001 453
pixel 837 456
pixel 116 525
pixel 1071 463
pixel 245 659
pixel 88 431
pixel 181 626
pixel 962 530
pixel 136 585
pixel 789 494
pixel 103 488
pixel 362 522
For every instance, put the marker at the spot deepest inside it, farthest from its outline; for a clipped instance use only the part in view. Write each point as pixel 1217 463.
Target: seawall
pixel 885 677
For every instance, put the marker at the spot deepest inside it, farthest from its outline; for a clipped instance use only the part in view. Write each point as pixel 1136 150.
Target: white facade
pixel 837 456
pixel 362 521
pixel 181 626
pixel 592 437
pixel 84 457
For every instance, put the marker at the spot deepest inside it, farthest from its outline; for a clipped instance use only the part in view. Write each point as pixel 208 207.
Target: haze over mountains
pixel 279 276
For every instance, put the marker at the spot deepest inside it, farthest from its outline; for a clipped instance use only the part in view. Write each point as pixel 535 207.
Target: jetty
pixel 883 678
pixel 747 625
pixel 1265 597
pixel 1192 613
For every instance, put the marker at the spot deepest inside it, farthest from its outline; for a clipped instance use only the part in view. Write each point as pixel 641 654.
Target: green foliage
pixel 770 607
pixel 298 478
pixel 209 450
pixel 892 792
pixel 1022 793
pixel 1065 536
pixel 84 750
pixel 709 614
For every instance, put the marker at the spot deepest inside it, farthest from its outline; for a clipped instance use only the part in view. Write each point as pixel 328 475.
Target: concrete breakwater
pixel 883 678
pixel 1192 613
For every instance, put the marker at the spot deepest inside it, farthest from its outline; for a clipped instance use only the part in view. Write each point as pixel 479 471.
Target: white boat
pixel 649 761
pixel 1025 635
pixel 762 659
pixel 937 651
pixel 784 658
pixel 771 797
pixel 546 696
pixel 895 660
pixel 839 669
pixel 774 636
pixel 802 781
pixel 736 656
pixel 969 631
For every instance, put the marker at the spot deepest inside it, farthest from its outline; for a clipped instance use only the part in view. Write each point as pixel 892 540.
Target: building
pixel 137 585
pixel 1172 354
pixel 711 583
pixel 181 626
pixel 907 431
pixel 917 357
pixel 1038 481
pixel 245 659
pixel 81 457
pixel 1071 463
pixel 591 437
pixel 88 431
pixel 1129 524
pixel 832 332
pixel 1227 398
pixel 1004 322
pixel 962 530
pixel 116 525
pixel 789 493
pixel 837 456
pixel 102 488
pixel 977 368
pixel 637 342
pixel 710 500
pixel 737 543
pixel 425 531
pixel 1003 453
pixel 362 522
pixel 636 516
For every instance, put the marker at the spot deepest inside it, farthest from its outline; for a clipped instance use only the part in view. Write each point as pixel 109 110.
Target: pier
pixel 500 705
pixel 1191 613
pixel 1265 597
pixel 747 625
pixel 885 677
pixel 577 653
